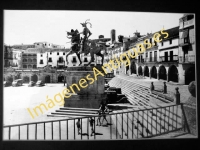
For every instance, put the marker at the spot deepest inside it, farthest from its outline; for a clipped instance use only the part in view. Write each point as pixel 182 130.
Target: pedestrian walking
pixel 104 116
pixel 104 108
pixel 64 81
pixel 78 124
pixel 99 118
pixel 91 121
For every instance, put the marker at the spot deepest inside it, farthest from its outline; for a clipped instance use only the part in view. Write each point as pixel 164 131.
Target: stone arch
pixel 26 79
pixel 146 71
pixel 47 79
pixel 34 77
pixel 29 66
pixel 140 70
pixel 34 66
pixel 24 60
pixel 153 72
pixel 173 73
pixel 60 78
pixel 34 60
pixel 133 67
pixel 189 75
pixel 162 73
pixel 29 60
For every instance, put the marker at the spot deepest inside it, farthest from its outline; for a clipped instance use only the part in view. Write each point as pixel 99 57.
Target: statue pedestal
pixel 88 97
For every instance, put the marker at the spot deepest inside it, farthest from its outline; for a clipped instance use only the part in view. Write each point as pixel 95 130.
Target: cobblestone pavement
pixel 146 81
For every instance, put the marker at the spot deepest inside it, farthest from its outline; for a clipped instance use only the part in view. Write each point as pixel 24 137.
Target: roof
pixel 24 47
pixel 43 50
pixel 172 33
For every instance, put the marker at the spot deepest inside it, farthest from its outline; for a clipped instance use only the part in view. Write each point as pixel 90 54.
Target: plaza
pixel 151 89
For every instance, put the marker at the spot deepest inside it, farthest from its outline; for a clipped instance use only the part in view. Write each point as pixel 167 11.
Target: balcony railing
pixel 151 59
pixel 187 59
pixel 168 59
pixel 140 60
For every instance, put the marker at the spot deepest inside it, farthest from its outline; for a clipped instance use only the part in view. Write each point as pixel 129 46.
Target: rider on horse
pixel 86 32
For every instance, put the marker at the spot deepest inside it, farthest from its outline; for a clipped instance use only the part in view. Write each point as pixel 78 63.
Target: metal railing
pixel 151 59
pixel 123 124
pixel 168 59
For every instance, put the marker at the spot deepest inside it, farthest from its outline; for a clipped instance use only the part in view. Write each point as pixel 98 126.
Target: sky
pixel 30 26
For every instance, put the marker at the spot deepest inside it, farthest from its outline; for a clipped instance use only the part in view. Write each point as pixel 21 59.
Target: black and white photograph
pixel 77 75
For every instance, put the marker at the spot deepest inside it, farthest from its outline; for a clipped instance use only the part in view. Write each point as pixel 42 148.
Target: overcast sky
pixel 27 27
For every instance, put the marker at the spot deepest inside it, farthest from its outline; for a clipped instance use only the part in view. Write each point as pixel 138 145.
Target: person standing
pixel 64 81
pixel 86 34
pixel 99 118
pixel 91 121
pixel 78 125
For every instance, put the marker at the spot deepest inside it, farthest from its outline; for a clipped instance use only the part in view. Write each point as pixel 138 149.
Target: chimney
pixel 112 36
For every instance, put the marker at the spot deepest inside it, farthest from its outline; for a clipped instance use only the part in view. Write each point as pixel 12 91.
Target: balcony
pixel 184 41
pixel 187 59
pixel 151 59
pixel 140 60
pixel 174 58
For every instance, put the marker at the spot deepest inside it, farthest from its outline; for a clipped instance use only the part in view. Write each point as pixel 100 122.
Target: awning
pixel 185 34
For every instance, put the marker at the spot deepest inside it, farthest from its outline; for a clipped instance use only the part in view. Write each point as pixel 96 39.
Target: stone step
pixel 73 114
pixel 79 109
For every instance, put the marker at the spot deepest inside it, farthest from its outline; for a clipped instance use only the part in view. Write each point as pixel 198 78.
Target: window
pixel 57 53
pixel 146 54
pixel 50 53
pixel 41 55
pixel 41 61
pixel 150 40
pixel 60 59
pixel 50 59
pixel 63 53
pixel 162 43
pixel 170 41
pixel 155 43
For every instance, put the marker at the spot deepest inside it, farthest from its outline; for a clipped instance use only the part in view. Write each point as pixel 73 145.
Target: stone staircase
pixel 73 112
pixel 151 119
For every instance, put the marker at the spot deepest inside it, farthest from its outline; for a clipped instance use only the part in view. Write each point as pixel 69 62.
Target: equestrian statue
pixel 85 46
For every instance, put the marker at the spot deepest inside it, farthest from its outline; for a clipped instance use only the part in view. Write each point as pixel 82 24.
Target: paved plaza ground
pixel 18 99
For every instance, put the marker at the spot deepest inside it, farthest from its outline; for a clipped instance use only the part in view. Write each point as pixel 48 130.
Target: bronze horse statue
pixel 90 46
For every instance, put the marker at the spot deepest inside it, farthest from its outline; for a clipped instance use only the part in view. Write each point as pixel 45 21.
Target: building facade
pixel 187 49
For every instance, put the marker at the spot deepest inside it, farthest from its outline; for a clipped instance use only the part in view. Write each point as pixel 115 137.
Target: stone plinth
pixel 87 97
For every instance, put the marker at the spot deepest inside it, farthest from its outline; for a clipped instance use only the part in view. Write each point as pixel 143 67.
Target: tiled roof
pixel 173 32
pixel 43 50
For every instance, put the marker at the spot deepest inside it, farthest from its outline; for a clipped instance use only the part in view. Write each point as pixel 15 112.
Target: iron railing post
pixel 19 132
pixel 59 130
pixel 44 131
pixel 36 131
